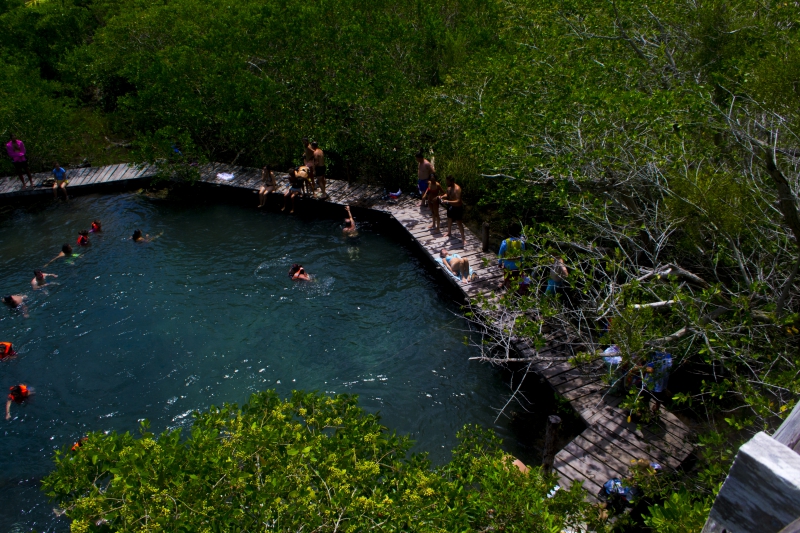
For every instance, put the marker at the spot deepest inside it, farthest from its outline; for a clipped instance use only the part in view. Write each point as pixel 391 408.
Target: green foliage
pixel 681 512
pixel 310 462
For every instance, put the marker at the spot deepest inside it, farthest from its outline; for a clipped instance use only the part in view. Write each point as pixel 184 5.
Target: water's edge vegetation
pixel 652 146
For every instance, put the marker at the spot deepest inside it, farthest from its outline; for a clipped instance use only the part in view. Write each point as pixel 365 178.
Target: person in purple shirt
pixel 16 151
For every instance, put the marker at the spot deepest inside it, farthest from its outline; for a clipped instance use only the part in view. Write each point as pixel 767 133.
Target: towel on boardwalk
pixel 225 176
pixel 454 276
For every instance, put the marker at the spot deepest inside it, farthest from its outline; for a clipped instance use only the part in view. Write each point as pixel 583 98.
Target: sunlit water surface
pixel 206 314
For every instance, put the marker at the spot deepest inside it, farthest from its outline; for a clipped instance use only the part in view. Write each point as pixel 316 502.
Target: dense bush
pixel 312 463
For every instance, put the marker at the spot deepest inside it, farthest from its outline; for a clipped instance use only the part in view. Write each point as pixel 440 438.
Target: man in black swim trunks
pixel 455 207
pixel 319 167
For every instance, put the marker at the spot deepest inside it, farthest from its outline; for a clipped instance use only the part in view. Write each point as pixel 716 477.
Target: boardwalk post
pixel 485 237
pixel 549 453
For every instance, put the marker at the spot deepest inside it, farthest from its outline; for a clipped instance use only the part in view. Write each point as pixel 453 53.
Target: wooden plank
pixel 114 175
pixel 568 469
pixel 587 464
pixel 653 449
pixel 100 176
pixel 601 449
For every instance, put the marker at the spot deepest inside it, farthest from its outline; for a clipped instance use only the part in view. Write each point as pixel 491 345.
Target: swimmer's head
pixel 84 232
pixel 348 222
pixel 39 274
pixel 8 299
pixel 419 156
pixel 66 249
pixel 443 253
pixel 450 179
pixel 96 224
pixel 137 234
pixel 294 269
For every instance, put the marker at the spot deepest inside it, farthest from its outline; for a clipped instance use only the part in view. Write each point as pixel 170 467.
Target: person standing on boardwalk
pixel 455 207
pixel 61 181
pixel 424 171
pixel 319 168
pixel 308 160
pixel 268 185
pixel 432 196
pixel 16 151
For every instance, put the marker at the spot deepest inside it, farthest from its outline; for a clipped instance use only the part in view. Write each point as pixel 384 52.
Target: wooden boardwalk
pixel 607 447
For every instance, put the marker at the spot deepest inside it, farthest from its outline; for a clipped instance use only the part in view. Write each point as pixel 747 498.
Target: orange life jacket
pixel 18 395
pixel 6 350
pixel 83 240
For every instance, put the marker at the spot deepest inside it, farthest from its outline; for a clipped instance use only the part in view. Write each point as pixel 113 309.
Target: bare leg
pixel 55 190
pixel 64 190
pixel 293 197
pixel 285 201
pixel 322 183
pixel 22 179
pixel 461 229
pixel 449 226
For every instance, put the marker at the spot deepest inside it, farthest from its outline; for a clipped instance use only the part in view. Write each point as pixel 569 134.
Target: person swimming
pixel 17 394
pixel 7 350
pixel 298 273
pixel 16 301
pixel 38 280
pixel 66 251
pixel 349 229
pixel 83 238
pixel 138 237
pixel 97 227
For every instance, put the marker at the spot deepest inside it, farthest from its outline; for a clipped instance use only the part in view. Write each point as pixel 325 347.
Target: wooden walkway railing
pixel 608 446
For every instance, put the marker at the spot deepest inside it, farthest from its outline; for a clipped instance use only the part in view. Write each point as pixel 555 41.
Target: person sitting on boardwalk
pixel 268 185
pixel 17 153
pixel 16 301
pixel 295 188
pixel 61 182
pixel 17 394
pixel 308 160
pixel 66 251
pixel 455 207
pixel 510 256
pixel 38 280
pixel 424 171
pixel 349 228
pixel 458 266
pixel 558 276
pixel 432 194
pixel 298 273
pixel 319 168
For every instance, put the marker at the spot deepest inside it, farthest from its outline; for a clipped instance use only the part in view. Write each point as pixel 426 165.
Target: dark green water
pixel 206 314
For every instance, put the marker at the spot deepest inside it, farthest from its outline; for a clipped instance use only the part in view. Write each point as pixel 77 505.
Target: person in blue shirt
pixel 655 378
pixel 61 181
pixel 510 256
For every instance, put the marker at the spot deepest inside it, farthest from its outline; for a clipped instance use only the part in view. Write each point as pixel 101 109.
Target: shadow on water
pixel 206 314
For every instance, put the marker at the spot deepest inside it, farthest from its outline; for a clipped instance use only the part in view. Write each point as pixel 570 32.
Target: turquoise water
pixel 206 314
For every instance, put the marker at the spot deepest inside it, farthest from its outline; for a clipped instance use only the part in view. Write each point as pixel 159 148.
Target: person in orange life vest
pixel 6 350
pixel 96 227
pixel 17 394
pixel 79 444
pixel 38 280
pixel 83 238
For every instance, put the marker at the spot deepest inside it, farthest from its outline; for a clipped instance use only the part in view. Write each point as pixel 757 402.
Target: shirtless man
pixel 308 160
pixel 455 207
pixel 458 266
pixel 349 228
pixel 424 171
pixel 138 237
pixel 432 195
pixel 319 167
pixel 66 251
pixel 38 280
pixel 298 273
pixel 16 301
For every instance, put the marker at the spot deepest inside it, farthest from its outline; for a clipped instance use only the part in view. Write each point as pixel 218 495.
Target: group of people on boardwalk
pixel 19 157
pixel 433 195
